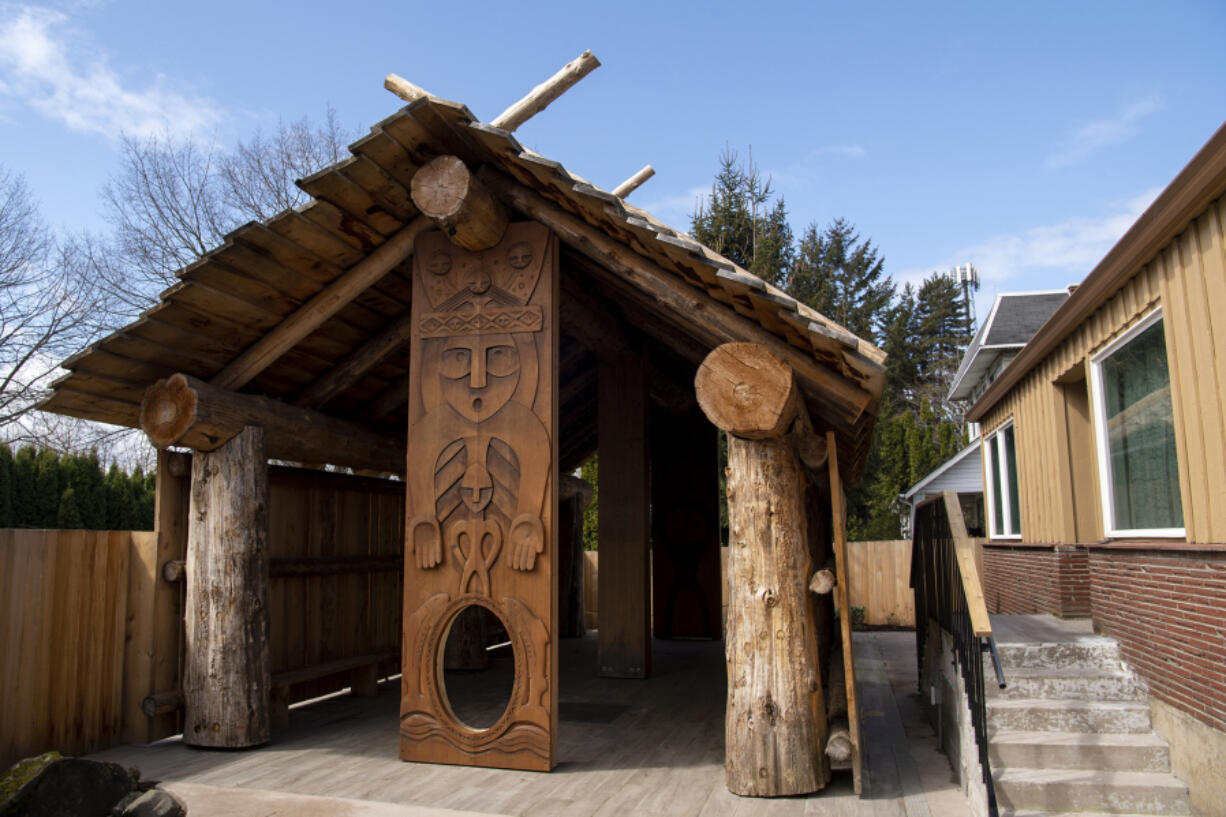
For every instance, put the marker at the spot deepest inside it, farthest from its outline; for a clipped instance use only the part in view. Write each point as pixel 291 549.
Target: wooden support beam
pixel 351 369
pixel 634 182
pixel 539 97
pixel 226 688
pixel 624 636
pixel 311 315
pixel 775 721
pixel 446 191
pixel 701 316
pixel 182 410
pixel 748 391
pixel 838 506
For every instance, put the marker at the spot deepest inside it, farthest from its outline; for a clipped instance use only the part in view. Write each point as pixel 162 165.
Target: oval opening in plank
pixel 478 667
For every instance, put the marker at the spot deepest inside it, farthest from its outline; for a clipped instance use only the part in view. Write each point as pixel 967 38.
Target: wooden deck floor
pixel 660 753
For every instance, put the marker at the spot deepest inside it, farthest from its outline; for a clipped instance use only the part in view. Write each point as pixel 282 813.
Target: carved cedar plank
pixel 481 503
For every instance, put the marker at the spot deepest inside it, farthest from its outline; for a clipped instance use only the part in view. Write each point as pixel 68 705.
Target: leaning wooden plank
pixel 539 97
pixel 964 549
pixel 182 410
pixel 838 508
pixel 687 304
pixel 321 307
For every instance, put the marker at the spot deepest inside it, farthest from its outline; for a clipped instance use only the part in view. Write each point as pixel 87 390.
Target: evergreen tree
pixel 68 516
pixel 740 222
pixel 24 491
pixel 843 278
pixel 47 487
pixel 6 487
pixel 590 471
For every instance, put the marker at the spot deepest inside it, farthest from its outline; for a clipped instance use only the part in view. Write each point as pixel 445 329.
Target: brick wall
pixel 1168 611
pixel 1025 580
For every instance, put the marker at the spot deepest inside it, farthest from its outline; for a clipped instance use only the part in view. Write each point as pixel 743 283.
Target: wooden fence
pixel 69 635
pixel 89 626
pixel 879 574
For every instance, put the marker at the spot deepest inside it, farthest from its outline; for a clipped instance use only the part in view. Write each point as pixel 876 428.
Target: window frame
pixel 1102 446
pixel 994 447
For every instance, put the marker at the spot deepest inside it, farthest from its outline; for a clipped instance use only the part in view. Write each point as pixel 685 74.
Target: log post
pixel 226 681
pixel 775 722
pixel 455 200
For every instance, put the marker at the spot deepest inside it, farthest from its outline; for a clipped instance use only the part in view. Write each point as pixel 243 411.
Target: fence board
pixel 879 576
pixel 64 635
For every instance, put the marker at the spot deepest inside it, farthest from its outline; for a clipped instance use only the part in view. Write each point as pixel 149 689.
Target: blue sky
pixel 1022 137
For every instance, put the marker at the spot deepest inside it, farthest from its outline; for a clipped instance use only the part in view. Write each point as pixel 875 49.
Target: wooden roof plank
pixel 335 187
pixel 384 190
pixel 388 155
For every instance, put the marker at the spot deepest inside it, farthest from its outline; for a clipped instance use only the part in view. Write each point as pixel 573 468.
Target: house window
pixel 1135 430
pixel 1000 452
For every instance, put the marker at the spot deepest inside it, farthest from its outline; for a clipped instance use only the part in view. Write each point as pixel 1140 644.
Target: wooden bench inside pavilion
pixel 370 410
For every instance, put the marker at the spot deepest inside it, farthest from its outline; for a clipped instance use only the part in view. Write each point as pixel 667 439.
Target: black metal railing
pixel 949 593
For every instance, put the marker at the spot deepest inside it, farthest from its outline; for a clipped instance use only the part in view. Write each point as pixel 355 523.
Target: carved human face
pixel 479 374
pixel 519 255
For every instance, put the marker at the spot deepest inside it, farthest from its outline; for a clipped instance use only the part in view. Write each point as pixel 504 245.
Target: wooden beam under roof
pixel 307 318
pixel 844 401
pixel 351 369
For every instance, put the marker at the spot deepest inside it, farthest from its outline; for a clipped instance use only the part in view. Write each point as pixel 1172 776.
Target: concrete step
pixel 1038 714
pixel 1059 683
pixel 1079 750
pixel 1076 790
pixel 1088 653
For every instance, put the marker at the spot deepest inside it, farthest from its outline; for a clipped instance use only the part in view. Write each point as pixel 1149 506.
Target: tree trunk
pixel 776 717
pixel 226 680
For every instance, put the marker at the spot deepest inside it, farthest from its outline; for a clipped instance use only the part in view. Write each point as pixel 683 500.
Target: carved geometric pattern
pixel 481 488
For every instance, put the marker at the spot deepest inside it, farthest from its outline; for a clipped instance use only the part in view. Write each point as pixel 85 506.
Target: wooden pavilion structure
pixel 458 312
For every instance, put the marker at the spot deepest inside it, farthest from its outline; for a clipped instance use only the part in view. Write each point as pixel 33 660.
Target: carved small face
pixel 519 255
pixel 479 374
pixel 439 264
pixel 475 279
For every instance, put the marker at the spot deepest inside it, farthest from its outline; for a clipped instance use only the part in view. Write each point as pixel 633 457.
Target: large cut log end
pixel 167 410
pixel 450 195
pixel 746 390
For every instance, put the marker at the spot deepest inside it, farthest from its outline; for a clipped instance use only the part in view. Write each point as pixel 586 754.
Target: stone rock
pixel 155 803
pixel 118 809
pixel 70 787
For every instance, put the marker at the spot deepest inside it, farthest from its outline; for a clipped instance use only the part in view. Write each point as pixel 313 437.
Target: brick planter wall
pixel 1167 608
pixel 1028 579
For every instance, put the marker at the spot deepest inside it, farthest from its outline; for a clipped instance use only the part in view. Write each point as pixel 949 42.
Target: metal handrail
pixel 949 592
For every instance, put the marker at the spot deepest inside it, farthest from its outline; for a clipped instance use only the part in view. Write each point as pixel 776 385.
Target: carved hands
pixel 527 540
pixel 427 541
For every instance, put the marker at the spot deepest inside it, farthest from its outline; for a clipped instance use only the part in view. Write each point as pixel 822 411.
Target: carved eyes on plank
pixel 500 361
pixel 520 255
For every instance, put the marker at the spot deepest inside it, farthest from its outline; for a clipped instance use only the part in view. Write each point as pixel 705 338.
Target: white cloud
pixel 43 64
pixel 1045 257
pixel 806 170
pixel 1103 132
